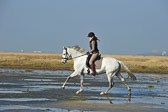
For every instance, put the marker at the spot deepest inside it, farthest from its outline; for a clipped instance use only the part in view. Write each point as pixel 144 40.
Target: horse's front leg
pixel 81 84
pixel 69 77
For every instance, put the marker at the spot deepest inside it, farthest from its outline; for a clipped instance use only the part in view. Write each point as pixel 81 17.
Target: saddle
pixel 97 62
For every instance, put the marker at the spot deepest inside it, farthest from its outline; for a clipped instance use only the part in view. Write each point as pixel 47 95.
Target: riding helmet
pixel 91 34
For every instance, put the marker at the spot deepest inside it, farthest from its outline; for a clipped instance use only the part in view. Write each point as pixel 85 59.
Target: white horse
pixel 110 66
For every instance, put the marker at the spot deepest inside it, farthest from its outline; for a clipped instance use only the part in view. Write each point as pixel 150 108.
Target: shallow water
pixel 21 90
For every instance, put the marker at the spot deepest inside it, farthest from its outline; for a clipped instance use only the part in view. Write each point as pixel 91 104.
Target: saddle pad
pixel 98 63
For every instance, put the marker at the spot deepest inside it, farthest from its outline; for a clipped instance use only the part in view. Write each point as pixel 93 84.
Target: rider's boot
pixel 93 69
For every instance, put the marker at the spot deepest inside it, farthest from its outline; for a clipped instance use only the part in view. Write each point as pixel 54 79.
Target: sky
pixel 123 26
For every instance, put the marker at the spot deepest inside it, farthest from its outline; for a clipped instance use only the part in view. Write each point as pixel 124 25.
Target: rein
pixel 67 56
pixel 78 56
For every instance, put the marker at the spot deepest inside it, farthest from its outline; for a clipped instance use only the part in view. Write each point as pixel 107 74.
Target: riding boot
pixel 93 70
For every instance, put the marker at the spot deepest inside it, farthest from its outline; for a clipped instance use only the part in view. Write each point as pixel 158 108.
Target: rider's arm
pixel 93 44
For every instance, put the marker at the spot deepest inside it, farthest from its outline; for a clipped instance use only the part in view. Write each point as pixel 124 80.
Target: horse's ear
pixel 64 47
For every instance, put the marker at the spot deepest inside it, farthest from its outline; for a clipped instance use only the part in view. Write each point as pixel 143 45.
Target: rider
pixel 93 50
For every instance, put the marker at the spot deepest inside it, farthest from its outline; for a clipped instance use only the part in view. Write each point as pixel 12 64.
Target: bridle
pixel 67 55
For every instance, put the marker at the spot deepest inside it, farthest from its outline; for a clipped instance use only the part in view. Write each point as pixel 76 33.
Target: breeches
pixel 93 58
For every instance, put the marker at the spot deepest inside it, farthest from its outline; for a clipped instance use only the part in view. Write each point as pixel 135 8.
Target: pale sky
pixel 123 26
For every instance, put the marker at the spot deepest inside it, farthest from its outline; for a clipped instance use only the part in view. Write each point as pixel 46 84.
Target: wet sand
pixel 109 107
pixel 40 91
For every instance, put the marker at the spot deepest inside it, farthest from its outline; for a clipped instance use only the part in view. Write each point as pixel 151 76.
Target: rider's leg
pixel 91 62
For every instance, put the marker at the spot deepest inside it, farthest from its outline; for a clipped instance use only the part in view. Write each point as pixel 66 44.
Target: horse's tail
pixel 128 71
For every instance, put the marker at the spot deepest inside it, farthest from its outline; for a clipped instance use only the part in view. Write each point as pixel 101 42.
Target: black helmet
pixel 91 34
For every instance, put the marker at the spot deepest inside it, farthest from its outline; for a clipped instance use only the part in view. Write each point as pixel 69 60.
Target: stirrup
pixel 94 74
pixel 88 71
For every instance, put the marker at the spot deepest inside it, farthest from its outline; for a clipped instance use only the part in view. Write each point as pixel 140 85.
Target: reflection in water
pixel 111 102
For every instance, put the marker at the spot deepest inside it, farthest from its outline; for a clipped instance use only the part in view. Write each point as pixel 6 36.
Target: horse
pixel 110 66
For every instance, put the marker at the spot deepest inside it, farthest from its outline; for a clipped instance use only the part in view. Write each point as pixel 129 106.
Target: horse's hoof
pixel 129 92
pixel 78 92
pixel 63 87
pixel 102 93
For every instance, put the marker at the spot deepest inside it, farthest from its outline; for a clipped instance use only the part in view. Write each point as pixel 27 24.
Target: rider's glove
pixel 88 53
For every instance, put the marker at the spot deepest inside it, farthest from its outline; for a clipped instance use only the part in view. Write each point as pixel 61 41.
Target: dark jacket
pixel 94 46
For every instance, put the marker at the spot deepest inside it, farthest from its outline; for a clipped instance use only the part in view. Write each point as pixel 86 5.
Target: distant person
pixel 93 51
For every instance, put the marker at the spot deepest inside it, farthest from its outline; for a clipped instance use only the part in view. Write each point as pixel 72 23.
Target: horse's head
pixel 65 55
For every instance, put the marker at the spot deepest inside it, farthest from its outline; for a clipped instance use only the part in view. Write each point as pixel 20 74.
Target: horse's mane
pixel 77 48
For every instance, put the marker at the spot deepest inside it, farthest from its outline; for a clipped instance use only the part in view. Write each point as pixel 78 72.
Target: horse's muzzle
pixel 64 61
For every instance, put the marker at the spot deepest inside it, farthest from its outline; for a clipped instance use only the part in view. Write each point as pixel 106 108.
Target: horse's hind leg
pixel 123 81
pixel 111 83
